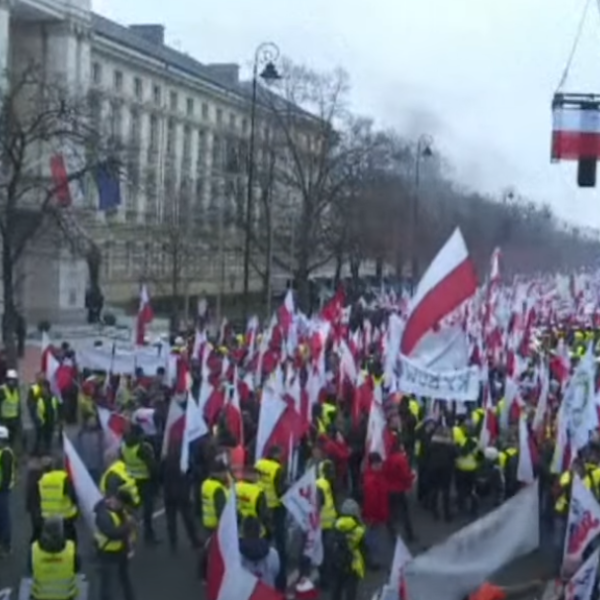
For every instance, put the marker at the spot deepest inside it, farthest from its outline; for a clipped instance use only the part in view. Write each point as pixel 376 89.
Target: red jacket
pixel 397 472
pixel 375 493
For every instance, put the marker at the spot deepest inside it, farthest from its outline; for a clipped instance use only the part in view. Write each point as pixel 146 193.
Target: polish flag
pixel 113 426
pixel 88 494
pixel 447 283
pixel 278 421
pixel 285 314
pixel 194 428
pixel 575 133
pixel 174 427
pixel 145 316
pixel 226 577
pixel 60 179
pixel 47 350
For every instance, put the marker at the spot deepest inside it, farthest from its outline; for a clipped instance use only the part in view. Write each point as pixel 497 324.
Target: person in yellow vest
pixel 53 564
pixel 115 533
pixel 465 466
pixel 508 460
pixel 7 482
pixel 272 480
pixel 349 555
pixel 10 405
pixel 116 478
pixel 34 393
pixel 213 493
pixel 57 497
pixel 251 499
pixel 328 512
pixel 140 460
pixel 48 420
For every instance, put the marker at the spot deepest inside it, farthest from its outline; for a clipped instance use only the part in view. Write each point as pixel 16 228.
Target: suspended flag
pixel 109 186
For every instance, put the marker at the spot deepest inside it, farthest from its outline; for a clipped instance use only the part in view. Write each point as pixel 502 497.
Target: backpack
pixel 341 555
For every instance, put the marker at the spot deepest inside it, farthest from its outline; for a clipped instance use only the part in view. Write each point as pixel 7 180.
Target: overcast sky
pixel 478 75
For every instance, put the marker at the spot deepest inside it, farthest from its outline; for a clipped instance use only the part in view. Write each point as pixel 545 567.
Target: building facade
pixel 184 126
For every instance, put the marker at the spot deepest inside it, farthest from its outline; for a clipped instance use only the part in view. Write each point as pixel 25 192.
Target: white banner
pixel 458 566
pixel 461 385
pixel 123 361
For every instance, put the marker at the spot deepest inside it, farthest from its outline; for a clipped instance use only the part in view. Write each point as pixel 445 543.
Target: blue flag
pixel 109 187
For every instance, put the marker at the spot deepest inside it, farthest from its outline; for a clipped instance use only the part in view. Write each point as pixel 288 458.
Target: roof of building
pixel 128 37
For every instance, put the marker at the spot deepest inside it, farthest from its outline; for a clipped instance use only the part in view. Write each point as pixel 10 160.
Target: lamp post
pixel 264 59
pixel 424 151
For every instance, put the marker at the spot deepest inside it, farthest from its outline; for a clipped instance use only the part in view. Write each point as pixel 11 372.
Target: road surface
pixel 157 574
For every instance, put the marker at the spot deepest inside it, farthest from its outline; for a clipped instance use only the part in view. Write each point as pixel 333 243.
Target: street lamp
pixel 264 59
pixel 424 151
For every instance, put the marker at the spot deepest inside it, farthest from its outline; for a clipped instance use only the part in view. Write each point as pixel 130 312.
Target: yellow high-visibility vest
pixel 119 468
pixel 106 545
pixel 11 406
pixel 328 511
pixel 463 463
pixel 54 576
pixel 210 518
pixel 268 470
pixel 355 533
pixel 247 495
pixel 53 500
pixel 136 467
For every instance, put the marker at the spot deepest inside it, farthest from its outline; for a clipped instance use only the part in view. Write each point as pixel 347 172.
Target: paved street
pixel 157 574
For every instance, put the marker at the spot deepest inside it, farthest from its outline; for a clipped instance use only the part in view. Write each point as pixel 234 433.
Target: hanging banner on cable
pixel 461 385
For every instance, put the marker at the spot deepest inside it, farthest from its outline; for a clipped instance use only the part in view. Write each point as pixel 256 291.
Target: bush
pixel 109 319
pixel 44 326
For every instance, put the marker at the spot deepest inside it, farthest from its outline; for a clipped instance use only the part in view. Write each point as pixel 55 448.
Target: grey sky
pixel 478 75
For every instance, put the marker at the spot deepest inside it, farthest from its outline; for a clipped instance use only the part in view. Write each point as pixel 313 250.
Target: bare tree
pixel 39 120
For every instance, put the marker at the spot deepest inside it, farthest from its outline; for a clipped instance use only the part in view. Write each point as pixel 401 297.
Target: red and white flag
pixel 583 524
pixel 575 133
pixel 226 577
pixel 447 283
pixel 302 503
pixel 88 494
pixel 581 585
pixel 144 317
pixel 402 557
pixel 113 426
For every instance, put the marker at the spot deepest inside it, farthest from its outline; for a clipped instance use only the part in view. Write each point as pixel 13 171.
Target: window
pixel 153 141
pixel 187 144
pixel 190 107
pixel 232 121
pixel 156 95
pixel 138 89
pixel 170 137
pixel 118 81
pixel 116 120
pixel 219 116
pixel 201 150
pixel 217 153
pixel 204 110
pixel 97 73
pixel 173 101
pixel 135 127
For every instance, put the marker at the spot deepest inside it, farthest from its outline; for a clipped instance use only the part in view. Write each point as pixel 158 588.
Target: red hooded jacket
pixel 397 472
pixel 375 508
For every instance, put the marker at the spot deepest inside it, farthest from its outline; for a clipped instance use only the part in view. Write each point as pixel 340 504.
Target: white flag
pixel 302 503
